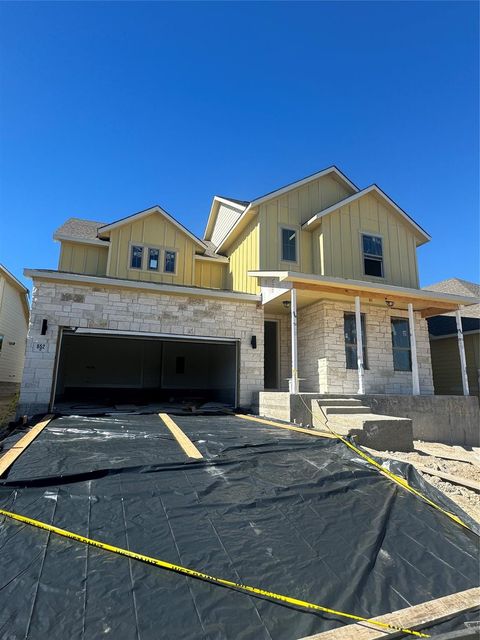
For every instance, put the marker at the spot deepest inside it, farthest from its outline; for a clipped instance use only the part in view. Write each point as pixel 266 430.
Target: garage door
pixel 118 368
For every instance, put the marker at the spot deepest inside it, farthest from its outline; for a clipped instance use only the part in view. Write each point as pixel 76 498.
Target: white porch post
pixel 358 329
pixel 461 349
pixel 413 347
pixel 293 318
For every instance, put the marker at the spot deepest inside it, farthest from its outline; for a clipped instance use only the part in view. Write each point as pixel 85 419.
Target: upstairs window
pixel 153 259
pixel 402 354
pixel 350 332
pixel 136 257
pixel 170 261
pixel 1 343
pixel 372 256
pixel 289 245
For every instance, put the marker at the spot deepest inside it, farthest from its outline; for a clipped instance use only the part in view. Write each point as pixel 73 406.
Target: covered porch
pixel 338 336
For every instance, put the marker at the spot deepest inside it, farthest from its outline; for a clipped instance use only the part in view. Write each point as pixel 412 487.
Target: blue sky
pixel 108 108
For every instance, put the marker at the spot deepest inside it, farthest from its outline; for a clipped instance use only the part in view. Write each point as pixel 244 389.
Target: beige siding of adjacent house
pixel 291 210
pixel 244 257
pixel 210 275
pixel 447 376
pixel 13 329
pixel 156 232
pixel 83 258
pixel 337 243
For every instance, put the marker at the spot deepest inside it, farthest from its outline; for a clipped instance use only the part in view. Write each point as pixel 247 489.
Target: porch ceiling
pixel 311 288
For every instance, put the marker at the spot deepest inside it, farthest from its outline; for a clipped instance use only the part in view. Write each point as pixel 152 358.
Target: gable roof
pixel 79 229
pixel 456 285
pixel 239 205
pixel 244 218
pixel 105 229
pixel 315 220
pixel 23 291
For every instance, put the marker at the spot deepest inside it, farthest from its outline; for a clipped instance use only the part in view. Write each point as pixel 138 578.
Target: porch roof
pixel 312 288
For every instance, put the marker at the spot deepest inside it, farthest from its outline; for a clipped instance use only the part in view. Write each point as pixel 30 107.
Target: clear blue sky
pixel 108 108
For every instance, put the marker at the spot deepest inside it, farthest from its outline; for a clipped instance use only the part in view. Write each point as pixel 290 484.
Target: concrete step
pixel 340 402
pixel 367 428
pixel 345 410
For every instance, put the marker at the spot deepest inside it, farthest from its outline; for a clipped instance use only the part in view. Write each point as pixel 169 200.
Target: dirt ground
pixel 430 455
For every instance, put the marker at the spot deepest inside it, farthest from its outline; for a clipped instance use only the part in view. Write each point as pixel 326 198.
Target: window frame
pixel 363 321
pixel 150 248
pixel 134 245
pixel 174 251
pixel 296 230
pixel 407 349
pixel 2 340
pixel 370 256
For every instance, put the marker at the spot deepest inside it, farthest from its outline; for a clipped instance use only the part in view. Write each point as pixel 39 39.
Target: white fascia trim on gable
pixel 303 181
pixel 95 241
pixel 220 259
pixel 314 220
pixel 213 213
pixel 144 214
pixel 76 278
pixel 13 280
pixel 280 192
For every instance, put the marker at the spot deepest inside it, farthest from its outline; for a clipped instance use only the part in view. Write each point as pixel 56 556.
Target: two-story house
pixel 313 286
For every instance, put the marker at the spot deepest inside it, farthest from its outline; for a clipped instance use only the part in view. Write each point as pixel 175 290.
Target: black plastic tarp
pixel 271 508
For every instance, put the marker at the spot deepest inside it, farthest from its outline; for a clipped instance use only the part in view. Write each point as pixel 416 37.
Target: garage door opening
pixel 119 369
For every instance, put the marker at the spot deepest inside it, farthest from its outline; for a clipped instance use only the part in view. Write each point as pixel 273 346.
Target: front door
pixel 271 355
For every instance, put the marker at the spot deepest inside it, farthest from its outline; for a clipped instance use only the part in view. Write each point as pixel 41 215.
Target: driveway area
pixel 258 505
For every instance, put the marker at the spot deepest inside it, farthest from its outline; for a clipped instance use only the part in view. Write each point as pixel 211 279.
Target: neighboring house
pixel 459 287
pixel 142 308
pixel 447 374
pixel 14 316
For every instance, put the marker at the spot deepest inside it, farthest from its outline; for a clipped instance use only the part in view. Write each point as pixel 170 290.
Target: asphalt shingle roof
pixel 79 228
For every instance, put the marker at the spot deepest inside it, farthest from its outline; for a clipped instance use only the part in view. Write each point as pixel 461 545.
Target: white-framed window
pixel 153 259
pixel 136 256
pixel 170 261
pixel 288 244
pixel 372 255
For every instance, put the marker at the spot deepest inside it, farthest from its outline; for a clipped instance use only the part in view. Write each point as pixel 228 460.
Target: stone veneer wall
pixel 106 307
pixel 321 351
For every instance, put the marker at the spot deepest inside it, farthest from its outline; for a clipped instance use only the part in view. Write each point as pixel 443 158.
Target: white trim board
pixel 60 237
pixel 314 220
pixel 150 334
pixel 159 288
pixel 147 212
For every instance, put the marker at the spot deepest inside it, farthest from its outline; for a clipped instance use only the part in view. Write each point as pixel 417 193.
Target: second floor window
pixel 350 331
pixel 372 256
pixel 402 355
pixel 153 258
pixel 136 258
pixel 170 260
pixel 289 245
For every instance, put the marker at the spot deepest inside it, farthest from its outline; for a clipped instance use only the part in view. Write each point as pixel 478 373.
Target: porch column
pixel 358 329
pixel 293 319
pixel 461 349
pixel 413 347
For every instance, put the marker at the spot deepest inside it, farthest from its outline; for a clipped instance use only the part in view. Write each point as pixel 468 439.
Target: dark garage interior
pixel 119 369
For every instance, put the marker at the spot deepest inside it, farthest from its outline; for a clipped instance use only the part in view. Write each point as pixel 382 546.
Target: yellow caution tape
pixel 393 476
pixel 204 576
